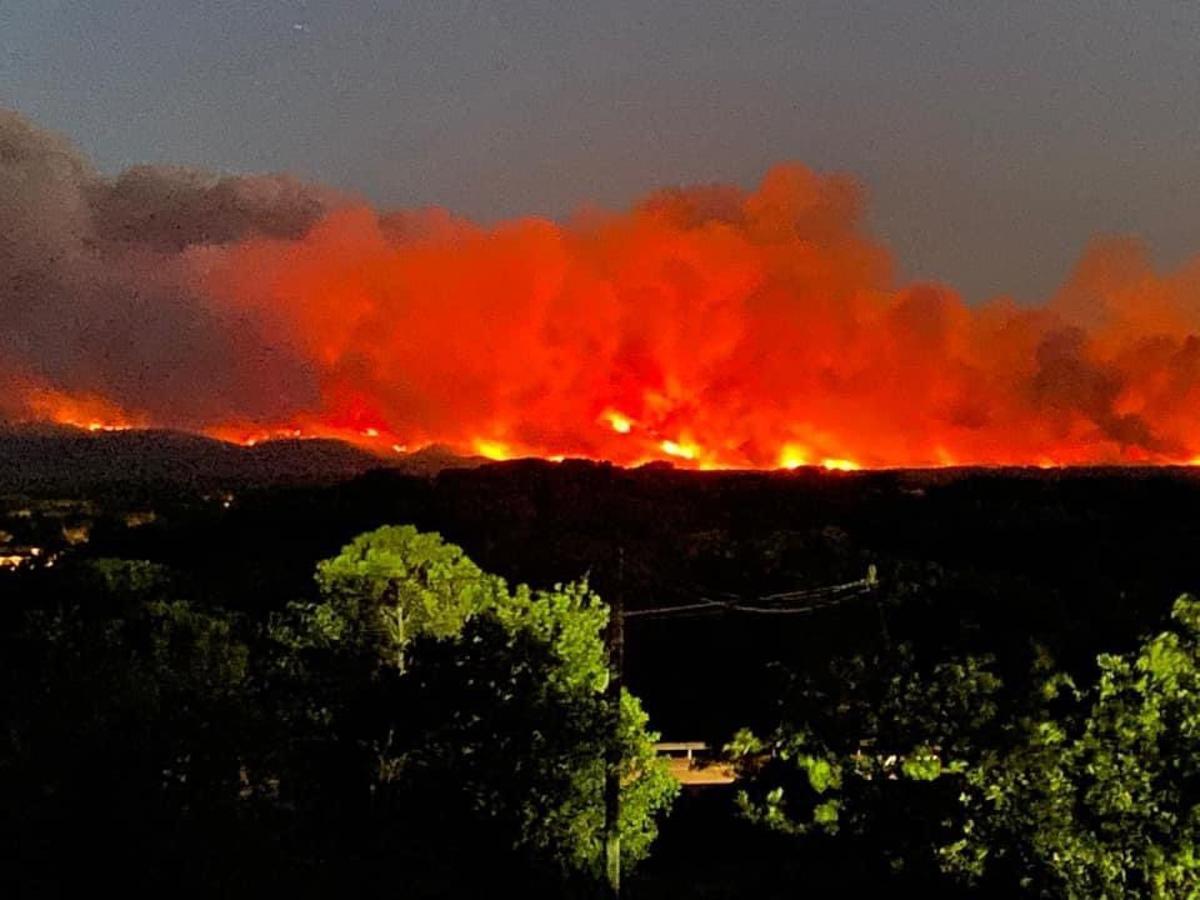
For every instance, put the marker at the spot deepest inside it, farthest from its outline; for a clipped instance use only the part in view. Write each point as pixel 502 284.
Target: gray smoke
pixel 96 294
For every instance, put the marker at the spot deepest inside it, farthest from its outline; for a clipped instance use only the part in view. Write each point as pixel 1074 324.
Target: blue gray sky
pixel 994 137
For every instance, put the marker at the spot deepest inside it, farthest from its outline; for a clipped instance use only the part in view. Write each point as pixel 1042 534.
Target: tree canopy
pixel 1066 790
pixel 1100 798
pixel 490 697
pixel 135 714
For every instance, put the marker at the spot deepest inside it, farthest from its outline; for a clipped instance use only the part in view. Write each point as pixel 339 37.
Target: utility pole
pixel 814 598
pixel 612 770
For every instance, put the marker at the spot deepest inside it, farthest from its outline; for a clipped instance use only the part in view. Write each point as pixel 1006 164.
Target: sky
pixel 994 139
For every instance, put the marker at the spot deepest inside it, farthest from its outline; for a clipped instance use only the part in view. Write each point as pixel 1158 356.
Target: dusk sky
pixel 994 139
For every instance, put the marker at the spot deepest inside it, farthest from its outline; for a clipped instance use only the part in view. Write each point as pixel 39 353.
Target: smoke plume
pixel 711 325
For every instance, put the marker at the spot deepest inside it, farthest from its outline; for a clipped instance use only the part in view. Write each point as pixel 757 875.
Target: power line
pixel 798 610
pixel 810 599
pixel 706 605
pixel 811 592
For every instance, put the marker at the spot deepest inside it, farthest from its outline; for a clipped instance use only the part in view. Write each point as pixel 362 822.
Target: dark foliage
pixel 970 564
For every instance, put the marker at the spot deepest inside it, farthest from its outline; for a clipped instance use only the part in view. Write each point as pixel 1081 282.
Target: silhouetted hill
pixel 55 458
pixel 433 459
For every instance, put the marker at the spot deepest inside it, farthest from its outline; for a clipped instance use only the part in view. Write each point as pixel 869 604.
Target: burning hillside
pixel 711 326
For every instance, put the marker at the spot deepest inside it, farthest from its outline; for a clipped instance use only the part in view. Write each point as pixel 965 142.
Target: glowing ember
pixel 492 449
pixel 683 451
pixel 840 465
pixel 620 424
pixel 89 411
pixel 792 457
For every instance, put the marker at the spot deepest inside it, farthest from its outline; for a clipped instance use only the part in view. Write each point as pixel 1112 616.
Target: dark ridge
pixel 49 458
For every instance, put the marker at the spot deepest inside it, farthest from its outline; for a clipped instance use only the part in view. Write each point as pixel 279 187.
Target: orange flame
pixel 83 410
pixel 712 327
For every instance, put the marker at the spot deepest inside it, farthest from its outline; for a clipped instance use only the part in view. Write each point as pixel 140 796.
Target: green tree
pixel 1100 798
pixel 488 703
pixel 393 584
pixel 124 659
pixel 127 721
pixel 512 720
pixel 866 754
pixel 1060 791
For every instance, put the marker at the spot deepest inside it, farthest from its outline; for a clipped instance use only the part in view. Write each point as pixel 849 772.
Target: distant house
pixel 12 557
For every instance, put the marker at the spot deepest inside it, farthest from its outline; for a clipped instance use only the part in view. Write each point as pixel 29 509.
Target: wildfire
pixel 840 465
pixel 85 410
pixel 682 451
pixel 619 423
pixel 792 457
pixel 249 436
pixel 712 327
pixel 723 329
pixel 491 449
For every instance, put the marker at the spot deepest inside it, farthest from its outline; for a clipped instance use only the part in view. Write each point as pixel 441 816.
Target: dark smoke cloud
pixel 170 209
pixel 98 295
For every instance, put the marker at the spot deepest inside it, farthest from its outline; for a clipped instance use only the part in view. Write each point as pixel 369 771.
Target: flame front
pixel 713 327
pixel 83 410
pixel 716 328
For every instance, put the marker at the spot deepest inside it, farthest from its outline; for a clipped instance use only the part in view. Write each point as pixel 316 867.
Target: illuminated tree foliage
pixel 862 754
pixel 1077 792
pixel 1104 800
pixel 488 701
pixel 319 744
pixel 396 583
pixel 514 716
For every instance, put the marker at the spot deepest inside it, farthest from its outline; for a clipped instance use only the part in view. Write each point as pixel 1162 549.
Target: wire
pixel 705 604
pixel 815 592
pixel 810 600
pixel 709 613
pixel 796 610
